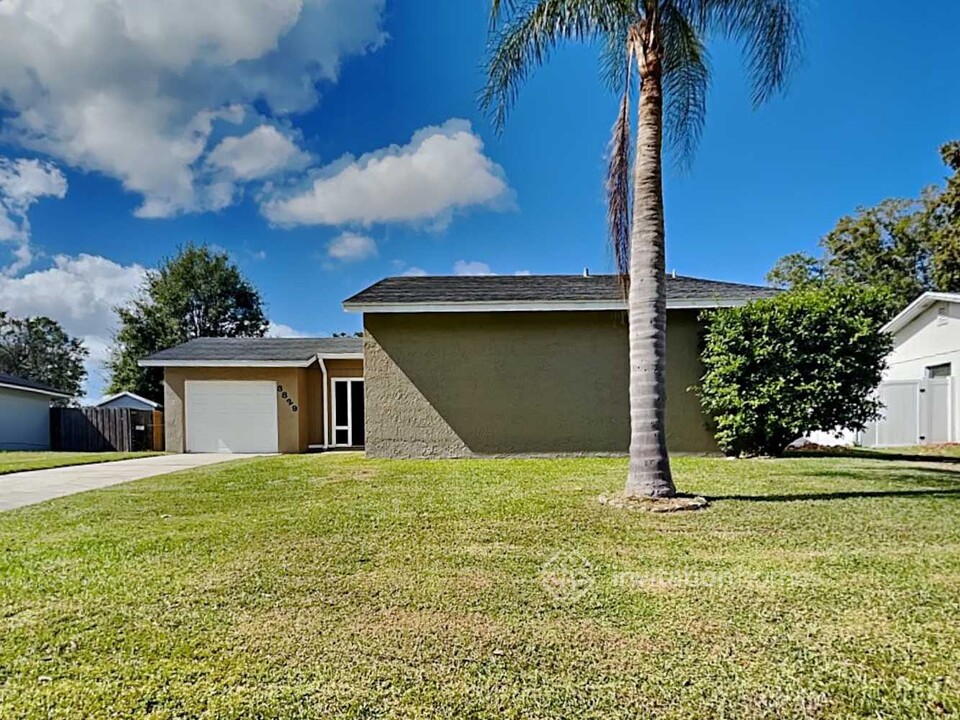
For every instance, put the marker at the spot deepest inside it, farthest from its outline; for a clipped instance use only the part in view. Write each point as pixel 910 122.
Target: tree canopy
pixel 805 360
pixel 902 246
pixel 197 293
pixel 38 349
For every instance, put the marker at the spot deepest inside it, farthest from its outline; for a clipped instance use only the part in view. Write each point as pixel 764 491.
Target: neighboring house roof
pixel 917 307
pixel 537 292
pixel 19 383
pixel 127 394
pixel 254 352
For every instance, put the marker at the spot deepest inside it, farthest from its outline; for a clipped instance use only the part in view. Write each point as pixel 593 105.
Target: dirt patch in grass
pixel 678 503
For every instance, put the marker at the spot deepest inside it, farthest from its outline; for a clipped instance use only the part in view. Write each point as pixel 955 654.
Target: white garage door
pixel 231 416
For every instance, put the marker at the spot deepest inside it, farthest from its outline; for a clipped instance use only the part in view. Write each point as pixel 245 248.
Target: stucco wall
pixel 24 420
pixel 459 384
pixel 314 405
pixel 293 427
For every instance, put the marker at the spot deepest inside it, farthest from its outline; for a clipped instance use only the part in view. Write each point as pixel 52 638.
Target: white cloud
pixel 415 271
pixel 279 330
pixel 472 267
pixel 22 183
pixel 262 152
pixel 137 89
pixel 80 293
pixel 441 170
pixel 352 247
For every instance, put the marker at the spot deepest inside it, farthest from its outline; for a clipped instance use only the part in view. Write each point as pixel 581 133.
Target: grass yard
pixel 12 461
pixel 320 586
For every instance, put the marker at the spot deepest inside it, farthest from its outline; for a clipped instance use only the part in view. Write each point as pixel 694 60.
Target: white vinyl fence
pixel 917 412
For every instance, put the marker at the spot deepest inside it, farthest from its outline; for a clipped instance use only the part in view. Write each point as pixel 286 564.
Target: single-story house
pixel 919 392
pixel 926 338
pixel 284 395
pixel 25 413
pixel 129 400
pixel 447 367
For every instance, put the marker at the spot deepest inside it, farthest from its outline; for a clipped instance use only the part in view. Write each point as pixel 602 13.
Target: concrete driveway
pixel 34 486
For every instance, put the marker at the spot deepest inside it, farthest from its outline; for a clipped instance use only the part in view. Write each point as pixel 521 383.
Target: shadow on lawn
pixel 865 454
pixel 845 495
pixel 934 483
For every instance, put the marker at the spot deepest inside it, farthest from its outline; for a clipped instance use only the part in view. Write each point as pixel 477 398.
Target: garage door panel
pixel 231 416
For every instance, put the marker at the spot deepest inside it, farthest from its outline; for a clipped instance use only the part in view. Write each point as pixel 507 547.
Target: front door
pixel 348 427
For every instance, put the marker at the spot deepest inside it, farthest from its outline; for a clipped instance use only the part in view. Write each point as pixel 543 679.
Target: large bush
pixel 805 360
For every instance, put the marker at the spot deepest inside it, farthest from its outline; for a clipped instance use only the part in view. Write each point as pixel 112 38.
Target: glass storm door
pixel 348 428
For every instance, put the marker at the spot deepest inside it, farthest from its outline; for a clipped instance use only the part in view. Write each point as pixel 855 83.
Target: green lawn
pixel 323 586
pixel 15 461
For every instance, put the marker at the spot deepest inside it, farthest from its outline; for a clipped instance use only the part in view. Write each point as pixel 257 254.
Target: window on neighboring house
pixel 938 371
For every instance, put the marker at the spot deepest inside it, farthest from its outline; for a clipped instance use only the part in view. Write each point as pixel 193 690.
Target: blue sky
pixel 129 130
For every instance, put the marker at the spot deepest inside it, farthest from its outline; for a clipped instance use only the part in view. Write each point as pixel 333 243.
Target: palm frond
pixel 770 33
pixel 686 78
pixel 498 8
pixel 619 197
pixel 524 34
pixel 619 186
pixel 614 71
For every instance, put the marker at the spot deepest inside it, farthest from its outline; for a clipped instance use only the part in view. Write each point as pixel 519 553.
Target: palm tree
pixel 661 43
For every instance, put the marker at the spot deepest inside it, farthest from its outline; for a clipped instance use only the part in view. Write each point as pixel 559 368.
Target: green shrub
pixel 802 361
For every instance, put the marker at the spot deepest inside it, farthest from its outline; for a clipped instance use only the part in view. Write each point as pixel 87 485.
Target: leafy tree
pixel 904 247
pixel 197 293
pixel 38 349
pixel 805 360
pixel 661 44
pixel 942 221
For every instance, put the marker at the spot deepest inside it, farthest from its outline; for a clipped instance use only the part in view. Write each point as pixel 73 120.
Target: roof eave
pixel 535 306
pixel 914 309
pixel 341 356
pixel 127 393
pixel 194 362
pixel 37 391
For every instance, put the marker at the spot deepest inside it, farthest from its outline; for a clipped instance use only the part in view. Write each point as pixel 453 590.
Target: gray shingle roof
pixel 15 381
pixel 290 350
pixel 539 289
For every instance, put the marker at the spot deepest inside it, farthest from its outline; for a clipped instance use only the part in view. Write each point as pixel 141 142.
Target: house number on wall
pixel 287 397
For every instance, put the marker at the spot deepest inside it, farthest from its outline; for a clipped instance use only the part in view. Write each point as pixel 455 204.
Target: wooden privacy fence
pixel 105 429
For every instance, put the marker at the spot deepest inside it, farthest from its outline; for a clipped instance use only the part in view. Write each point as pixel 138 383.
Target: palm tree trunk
pixel 649 474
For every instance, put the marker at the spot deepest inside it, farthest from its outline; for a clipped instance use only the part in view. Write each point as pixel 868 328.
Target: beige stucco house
pixel 447 367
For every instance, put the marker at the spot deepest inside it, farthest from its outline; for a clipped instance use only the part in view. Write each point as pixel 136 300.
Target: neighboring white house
pixel 920 390
pixel 128 400
pixel 926 338
pixel 25 413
